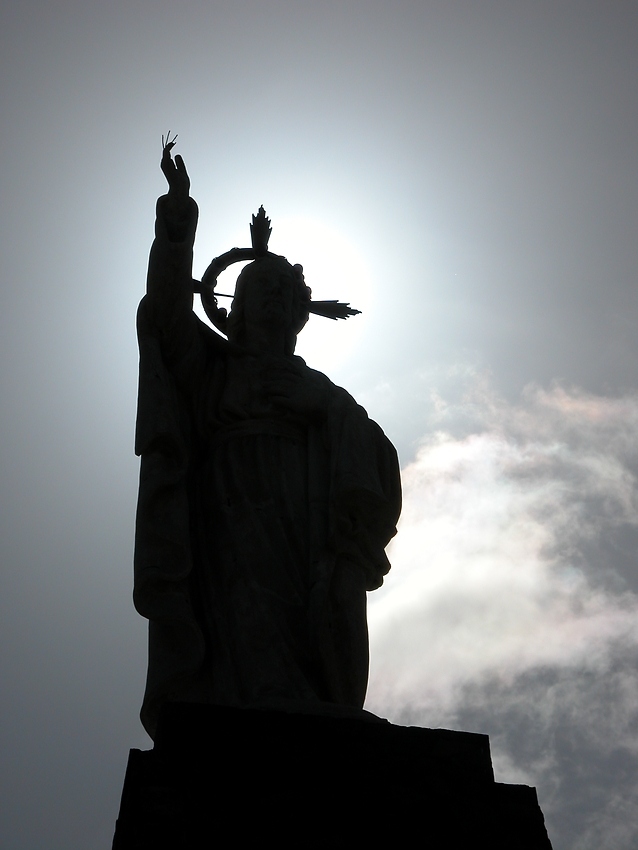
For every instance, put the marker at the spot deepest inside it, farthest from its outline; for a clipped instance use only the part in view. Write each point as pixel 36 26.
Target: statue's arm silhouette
pixel 169 302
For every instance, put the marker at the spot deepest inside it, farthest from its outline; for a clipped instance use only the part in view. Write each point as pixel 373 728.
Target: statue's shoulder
pixel 313 374
pixel 212 339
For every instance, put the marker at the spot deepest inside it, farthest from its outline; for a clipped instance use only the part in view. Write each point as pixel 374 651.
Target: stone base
pixel 226 777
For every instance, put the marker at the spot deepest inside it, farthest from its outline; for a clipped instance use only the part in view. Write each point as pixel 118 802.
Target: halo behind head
pixel 260 231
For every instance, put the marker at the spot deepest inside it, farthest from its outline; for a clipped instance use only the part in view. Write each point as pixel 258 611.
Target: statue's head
pixel 270 293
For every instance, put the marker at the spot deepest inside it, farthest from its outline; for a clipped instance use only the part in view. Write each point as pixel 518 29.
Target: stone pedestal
pixel 224 777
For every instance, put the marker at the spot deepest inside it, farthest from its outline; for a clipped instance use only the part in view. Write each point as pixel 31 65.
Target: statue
pixel 267 496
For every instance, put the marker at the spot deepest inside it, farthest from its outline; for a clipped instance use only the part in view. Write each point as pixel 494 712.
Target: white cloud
pixel 512 605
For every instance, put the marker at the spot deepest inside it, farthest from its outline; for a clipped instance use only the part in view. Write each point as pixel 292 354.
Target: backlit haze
pixel 466 173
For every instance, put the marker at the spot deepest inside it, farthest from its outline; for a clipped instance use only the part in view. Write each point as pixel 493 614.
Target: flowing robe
pixel 258 532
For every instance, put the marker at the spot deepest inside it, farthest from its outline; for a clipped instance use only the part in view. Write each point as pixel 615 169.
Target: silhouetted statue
pixel 267 496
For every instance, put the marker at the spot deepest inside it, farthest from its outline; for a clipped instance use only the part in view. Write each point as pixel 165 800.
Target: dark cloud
pixel 570 732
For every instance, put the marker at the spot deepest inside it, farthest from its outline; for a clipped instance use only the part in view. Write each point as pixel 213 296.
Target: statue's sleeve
pixel 365 500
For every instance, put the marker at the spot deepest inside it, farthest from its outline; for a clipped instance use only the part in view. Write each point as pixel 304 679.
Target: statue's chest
pixel 249 386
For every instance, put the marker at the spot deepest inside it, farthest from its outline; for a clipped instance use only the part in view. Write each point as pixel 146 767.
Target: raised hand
pixel 177 177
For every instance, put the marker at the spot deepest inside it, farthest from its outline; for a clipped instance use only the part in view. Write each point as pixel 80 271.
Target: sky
pixel 466 173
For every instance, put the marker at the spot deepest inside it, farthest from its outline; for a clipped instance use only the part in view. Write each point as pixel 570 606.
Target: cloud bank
pixel 512 608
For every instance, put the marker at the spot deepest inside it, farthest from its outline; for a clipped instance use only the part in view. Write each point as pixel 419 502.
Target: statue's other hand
pixel 296 394
pixel 178 180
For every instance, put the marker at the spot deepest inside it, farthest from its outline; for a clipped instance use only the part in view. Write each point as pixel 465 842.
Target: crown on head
pixel 260 231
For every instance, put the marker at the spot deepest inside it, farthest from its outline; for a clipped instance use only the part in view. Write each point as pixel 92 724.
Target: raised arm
pixel 177 205
pixel 169 282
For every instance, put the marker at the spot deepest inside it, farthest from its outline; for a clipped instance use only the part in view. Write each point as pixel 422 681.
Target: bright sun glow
pixel 333 268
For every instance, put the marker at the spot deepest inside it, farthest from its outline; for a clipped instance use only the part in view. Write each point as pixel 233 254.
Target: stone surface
pixel 227 777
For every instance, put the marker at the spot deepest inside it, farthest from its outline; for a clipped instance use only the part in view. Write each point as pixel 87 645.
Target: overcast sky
pixel 466 172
